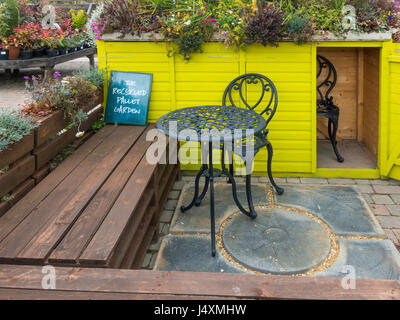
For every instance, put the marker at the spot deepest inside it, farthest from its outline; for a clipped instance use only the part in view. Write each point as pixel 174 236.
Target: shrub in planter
pixel 265 26
pixel 14 125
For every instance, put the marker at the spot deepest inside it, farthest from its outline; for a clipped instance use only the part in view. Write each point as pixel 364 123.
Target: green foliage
pixel 93 75
pixel 300 28
pixel 13 127
pixel 98 124
pixel 9 17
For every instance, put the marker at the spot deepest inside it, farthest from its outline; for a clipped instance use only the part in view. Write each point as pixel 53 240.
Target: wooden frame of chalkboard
pixel 128 98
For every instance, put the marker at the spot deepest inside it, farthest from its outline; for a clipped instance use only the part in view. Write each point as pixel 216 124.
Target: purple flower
pixel 206 20
pixel 201 13
pixel 27 78
pixel 34 78
pixel 98 37
pixel 57 75
pixel 205 7
pixel 212 20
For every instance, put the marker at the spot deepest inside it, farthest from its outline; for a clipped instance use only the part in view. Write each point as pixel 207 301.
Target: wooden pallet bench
pixel 100 207
pixel 25 282
pixel 47 64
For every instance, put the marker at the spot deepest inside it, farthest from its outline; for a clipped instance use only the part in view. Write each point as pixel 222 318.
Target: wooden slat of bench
pixel 41 228
pixel 124 247
pixel 101 248
pixel 197 284
pixel 72 245
pixel 22 209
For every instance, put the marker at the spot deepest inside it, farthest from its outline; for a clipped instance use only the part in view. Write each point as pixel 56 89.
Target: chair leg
pixel 278 189
pixel 230 171
pixel 332 136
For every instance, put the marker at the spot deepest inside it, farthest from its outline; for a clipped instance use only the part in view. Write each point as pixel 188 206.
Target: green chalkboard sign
pixel 128 98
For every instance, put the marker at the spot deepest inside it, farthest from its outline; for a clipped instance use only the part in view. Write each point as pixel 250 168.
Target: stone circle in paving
pixel 279 241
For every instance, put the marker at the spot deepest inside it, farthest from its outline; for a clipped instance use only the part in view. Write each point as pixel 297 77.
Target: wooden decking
pixel 25 282
pixel 100 207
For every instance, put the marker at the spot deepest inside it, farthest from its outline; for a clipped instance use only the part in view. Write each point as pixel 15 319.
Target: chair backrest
pixel 329 80
pixel 268 93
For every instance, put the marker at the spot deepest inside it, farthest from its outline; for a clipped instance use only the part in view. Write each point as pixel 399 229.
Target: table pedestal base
pixel 210 173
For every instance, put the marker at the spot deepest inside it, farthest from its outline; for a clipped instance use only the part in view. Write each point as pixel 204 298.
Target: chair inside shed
pixel 356 93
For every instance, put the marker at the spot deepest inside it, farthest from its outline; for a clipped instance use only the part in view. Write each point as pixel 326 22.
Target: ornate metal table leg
pixel 196 189
pixel 278 189
pixel 212 208
pixel 203 193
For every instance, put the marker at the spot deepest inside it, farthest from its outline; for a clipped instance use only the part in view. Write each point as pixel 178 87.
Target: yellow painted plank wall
pixel 203 79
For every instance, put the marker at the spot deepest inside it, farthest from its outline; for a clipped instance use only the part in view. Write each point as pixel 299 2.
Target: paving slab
pixel 197 219
pixel 278 241
pixel 191 253
pixel 370 258
pixel 341 207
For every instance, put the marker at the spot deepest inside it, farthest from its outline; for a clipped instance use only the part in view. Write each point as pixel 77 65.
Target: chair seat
pixel 258 141
pixel 324 109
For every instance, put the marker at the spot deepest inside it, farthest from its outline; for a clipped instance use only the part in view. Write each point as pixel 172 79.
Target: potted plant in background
pixel 4 46
pixel 24 35
pixel 14 47
pixel 51 42
pixel 63 45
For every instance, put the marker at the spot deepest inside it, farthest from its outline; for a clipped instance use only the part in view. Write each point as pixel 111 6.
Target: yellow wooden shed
pixel 367 93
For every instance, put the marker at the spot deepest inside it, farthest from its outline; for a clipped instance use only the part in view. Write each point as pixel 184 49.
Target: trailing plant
pixel 13 127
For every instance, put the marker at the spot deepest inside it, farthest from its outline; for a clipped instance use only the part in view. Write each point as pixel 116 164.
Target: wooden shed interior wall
pixel 357 95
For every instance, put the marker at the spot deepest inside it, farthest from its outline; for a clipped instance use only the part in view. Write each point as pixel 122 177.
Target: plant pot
pixel 13 53
pixel 52 53
pixel 3 54
pixel 37 53
pixel 26 54
pixel 63 51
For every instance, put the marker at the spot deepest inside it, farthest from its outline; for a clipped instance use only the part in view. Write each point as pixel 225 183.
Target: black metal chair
pixel 325 105
pixel 268 94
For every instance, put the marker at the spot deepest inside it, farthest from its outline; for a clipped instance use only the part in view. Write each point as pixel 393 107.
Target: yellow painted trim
pixel 383 107
pixel 351 44
pixel 392 159
pixel 314 109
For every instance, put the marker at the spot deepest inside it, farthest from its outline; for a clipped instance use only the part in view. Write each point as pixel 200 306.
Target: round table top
pixel 190 123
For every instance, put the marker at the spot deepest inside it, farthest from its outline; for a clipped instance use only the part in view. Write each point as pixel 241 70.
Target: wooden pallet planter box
pixel 27 160
pixel 15 181
pixel 47 146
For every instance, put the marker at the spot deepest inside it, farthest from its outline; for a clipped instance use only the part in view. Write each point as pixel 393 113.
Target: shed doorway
pixel 356 93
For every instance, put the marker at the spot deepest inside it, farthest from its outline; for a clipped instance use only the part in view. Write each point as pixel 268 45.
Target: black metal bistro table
pixel 214 125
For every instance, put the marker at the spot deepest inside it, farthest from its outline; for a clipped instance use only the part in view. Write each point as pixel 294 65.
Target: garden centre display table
pixel 214 125
pixel 46 63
